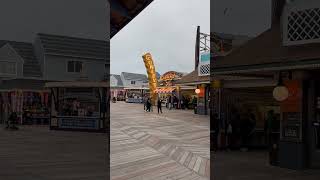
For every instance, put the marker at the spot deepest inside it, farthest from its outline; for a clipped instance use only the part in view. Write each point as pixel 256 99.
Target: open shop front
pixel 31 106
pixel 81 106
pixel 135 95
pixel 244 118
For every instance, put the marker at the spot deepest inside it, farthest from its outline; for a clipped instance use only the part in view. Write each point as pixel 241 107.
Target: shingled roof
pixel 267 52
pixel 193 78
pixel 74 47
pixel 31 67
pixel 134 76
pixel 119 80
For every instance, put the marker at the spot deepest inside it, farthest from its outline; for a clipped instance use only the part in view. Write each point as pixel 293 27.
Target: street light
pixel 197 91
pixel 280 92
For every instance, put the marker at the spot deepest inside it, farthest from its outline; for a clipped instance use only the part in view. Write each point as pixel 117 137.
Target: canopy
pixel 77 84
pixel 164 90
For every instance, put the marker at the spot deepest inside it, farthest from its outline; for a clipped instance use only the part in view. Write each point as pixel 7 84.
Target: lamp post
pixel 280 92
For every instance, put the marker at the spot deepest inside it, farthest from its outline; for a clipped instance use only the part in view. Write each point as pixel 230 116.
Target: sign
pixel 205 57
pixel 293 102
pixel 171 75
pixel 291 125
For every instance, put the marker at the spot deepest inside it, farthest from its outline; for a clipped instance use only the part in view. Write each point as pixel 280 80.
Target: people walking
pixel 148 104
pixel 169 102
pixel 12 121
pixel 145 103
pixel 159 105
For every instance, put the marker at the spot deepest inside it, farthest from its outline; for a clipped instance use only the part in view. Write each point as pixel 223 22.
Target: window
pixel 8 68
pixel 74 66
pixel 133 82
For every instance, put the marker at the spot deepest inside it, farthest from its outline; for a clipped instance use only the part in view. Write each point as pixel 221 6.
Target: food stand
pixel 81 106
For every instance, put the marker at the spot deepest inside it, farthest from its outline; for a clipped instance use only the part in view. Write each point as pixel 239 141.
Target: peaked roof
pixel 119 80
pixel 193 78
pixel 74 47
pixel 266 51
pixel 134 76
pixel 31 67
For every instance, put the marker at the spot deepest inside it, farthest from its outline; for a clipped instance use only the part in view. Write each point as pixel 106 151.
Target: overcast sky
pixel 20 20
pixel 166 29
pixel 240 17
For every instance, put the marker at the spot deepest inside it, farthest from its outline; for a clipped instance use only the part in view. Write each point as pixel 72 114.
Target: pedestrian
pixel 159 105
pixel 229 136
pixel 12 121
pixel 182 102
pixel 169 102
pixel 145 103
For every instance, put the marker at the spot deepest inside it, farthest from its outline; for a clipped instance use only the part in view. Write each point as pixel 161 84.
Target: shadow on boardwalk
pixel 254 166
pixel 36 153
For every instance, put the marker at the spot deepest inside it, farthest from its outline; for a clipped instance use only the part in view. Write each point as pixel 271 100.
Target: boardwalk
pixel 173 145
pixel 237 165
pixel 36 153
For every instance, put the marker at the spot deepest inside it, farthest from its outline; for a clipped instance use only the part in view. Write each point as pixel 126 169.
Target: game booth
pixel 81 106
pixel 135 94
pixel 31 106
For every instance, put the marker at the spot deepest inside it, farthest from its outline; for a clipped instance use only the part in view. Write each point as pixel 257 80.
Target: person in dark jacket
pixel 159 105
pixel 12 121
pixel 148 105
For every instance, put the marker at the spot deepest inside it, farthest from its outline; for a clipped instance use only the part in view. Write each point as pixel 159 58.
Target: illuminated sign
pixel 204 57
pixel 171 75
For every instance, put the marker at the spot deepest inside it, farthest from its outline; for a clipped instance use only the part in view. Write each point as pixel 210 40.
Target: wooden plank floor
pixel 173 145
pixel 36 153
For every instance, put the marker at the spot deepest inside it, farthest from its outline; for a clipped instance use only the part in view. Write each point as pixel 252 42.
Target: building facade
pixel 284 57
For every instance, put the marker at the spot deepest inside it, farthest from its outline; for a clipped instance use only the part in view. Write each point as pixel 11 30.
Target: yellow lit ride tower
pixel 152 77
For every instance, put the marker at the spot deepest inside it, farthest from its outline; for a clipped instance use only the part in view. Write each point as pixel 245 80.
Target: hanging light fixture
pixel 197 91
pixel 280 92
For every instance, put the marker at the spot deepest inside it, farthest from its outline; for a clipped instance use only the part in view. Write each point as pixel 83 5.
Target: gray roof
pixel 31 67
pixel 74 47
pixel 118 77
pixel 134 76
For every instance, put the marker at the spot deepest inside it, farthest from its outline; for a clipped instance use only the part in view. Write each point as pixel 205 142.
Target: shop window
pixel 75 66
pixel 8 68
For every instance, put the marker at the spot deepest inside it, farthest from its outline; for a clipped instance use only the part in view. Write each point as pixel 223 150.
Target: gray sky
pixel 20 20
pixel 166 29
pixel 242 17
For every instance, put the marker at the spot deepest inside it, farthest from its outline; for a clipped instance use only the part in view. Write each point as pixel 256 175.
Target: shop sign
pixel 293 102
pixel 171 75
pixel 291 122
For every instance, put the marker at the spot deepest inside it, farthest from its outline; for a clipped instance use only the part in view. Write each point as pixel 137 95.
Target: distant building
pixel 133 80
pixel 116 87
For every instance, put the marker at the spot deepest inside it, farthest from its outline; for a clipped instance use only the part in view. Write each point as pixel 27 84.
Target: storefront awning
pixel 165 90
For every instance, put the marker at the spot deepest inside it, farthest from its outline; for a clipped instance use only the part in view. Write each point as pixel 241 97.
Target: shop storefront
pixel 79 106
pixel 135 95
pixel 197 90
pixel 167 89
pixel 293 66
pixel 31 106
